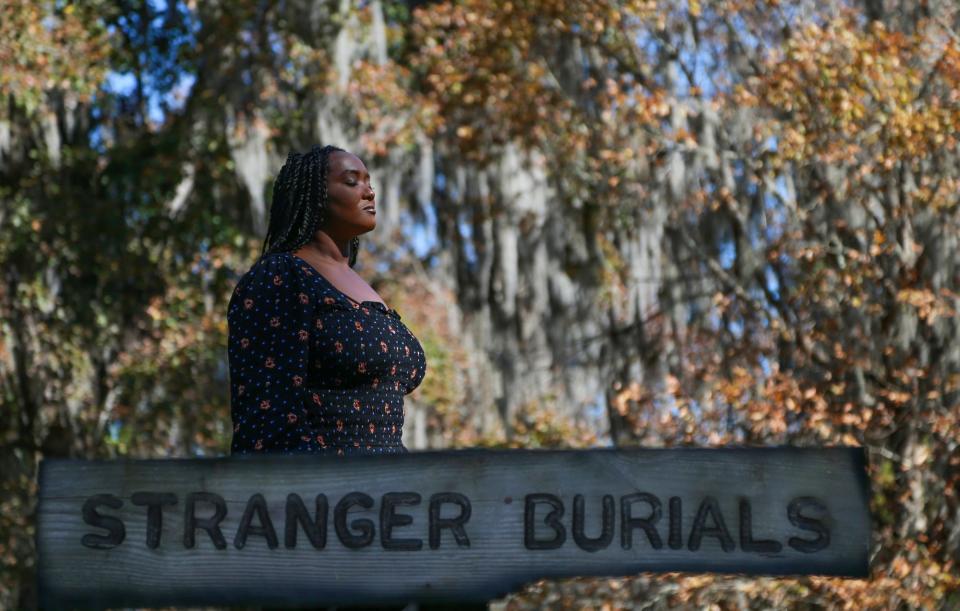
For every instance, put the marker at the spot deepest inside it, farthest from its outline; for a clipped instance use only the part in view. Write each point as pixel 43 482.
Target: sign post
pixel 465 525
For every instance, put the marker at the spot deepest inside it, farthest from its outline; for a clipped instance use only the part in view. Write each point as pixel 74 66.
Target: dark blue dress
pixel 311 370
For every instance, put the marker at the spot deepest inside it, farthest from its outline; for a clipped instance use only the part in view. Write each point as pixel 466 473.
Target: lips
pixel 371 209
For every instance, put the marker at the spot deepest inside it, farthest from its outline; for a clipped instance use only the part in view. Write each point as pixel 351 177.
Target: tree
pixel 652 224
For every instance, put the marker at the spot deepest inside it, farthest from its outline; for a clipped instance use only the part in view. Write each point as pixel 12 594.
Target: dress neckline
pixel 381 305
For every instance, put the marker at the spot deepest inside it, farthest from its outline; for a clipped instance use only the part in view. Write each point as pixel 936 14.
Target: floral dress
pixel 313 371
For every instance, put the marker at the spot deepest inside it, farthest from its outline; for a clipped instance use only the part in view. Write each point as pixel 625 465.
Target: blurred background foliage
pixel 616 222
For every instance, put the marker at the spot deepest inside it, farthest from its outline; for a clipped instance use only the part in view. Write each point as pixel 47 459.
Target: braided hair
pixel 299 205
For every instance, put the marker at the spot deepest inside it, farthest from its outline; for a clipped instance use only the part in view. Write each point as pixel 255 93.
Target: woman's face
pixel 350 199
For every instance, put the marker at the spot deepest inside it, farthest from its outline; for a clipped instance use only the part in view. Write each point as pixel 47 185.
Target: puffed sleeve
pixel 268 321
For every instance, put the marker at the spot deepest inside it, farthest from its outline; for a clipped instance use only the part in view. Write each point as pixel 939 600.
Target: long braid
pixel 303 202
pixel 280 208
pixel 321 210
pixel 299 205
pixel 291 211
pixel 284 211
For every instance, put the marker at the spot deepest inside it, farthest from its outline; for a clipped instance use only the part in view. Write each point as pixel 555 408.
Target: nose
pixel 369 194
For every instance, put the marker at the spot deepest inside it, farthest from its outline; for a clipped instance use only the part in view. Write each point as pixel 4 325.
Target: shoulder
pixel 268 267
pixel 277 261
pixel 273 272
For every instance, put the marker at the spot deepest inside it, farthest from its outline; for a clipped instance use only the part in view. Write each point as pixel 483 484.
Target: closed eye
pixel 352 176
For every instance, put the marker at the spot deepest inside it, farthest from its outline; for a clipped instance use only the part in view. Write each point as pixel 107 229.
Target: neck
pixel 325 247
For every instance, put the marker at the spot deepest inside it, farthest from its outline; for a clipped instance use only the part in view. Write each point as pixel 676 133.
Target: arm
pixel 269 321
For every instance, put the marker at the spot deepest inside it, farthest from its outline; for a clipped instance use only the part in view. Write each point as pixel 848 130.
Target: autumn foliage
pixel 789 171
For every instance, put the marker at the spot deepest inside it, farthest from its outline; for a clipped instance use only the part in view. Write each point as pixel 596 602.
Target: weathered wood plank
pixel 462 525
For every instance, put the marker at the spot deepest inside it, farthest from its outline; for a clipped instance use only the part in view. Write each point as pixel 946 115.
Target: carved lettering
pixel 593 544
pixel 675 538
pixel 114 526
pixel 256 505
pixel 455 524
pixel 154 502
pixel 361 531
pixel 795 512
pixel 629 522
pixel 297 514
pixel 552 520
pixel 210 524
pixel 709 508
pixel 390 519
pixel 747 542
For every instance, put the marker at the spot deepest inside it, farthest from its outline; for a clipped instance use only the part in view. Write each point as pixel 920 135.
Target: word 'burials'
pixel 464 525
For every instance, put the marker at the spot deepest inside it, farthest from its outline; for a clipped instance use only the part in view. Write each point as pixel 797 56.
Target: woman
pixel 318 362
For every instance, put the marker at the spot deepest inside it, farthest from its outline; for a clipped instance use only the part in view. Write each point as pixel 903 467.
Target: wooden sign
pixel 437 526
